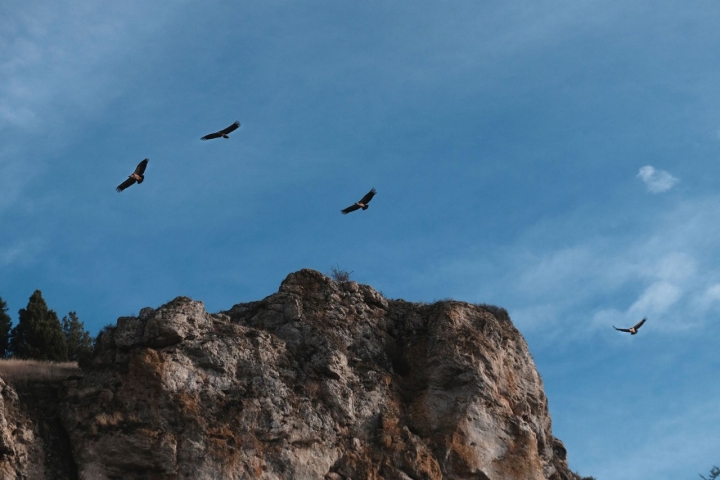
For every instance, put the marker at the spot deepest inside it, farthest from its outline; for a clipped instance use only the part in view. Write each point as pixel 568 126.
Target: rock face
pixel 320 380
pixel 33 443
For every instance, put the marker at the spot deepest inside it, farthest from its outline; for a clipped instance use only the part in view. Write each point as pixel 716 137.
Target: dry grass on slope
pixel 26 371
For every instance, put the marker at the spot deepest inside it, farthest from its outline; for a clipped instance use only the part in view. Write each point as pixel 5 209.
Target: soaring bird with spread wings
pixel 632 330
pixel 137 176
pixel 363 203
pixel 222 133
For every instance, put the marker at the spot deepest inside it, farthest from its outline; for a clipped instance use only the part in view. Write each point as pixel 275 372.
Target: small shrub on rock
pixel 498 312
pixel 339 275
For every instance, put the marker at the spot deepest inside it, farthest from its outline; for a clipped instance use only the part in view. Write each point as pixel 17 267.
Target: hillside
pixel 320 380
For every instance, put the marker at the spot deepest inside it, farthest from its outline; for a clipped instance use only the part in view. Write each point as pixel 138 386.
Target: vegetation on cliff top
pixel 16 371
pixel 39 334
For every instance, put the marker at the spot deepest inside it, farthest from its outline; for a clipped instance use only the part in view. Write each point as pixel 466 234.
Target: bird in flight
pixel 137 176
pixel 363 203
pixel 631 330
pixel 222 133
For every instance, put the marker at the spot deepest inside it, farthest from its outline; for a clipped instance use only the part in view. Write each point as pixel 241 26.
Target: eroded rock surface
pixel 320 380
pixel 33 443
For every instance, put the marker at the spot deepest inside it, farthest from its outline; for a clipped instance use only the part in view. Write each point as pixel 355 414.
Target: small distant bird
pixel 137 176
pixel 631 330
pixel 363 203
pixel 222 133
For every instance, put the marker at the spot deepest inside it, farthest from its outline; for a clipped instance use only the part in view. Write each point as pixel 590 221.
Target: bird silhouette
pixel 137 176
pixel 222 133
pixel 632 330
pixel 363 203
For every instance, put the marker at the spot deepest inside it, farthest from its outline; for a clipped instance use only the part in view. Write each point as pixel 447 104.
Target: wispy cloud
pixel 657 181
pixel 52 56
pixel 19 253
pixel 61 68
pixel 708 299
pixel 686 435
pixel 668 271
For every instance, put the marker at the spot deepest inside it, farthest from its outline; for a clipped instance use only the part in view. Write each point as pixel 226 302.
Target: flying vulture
pixel 137 176
pixel 631 330
pixel 222 133
pixel 363 203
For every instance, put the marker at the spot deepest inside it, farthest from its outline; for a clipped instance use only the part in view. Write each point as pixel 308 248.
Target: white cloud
pixel 551 271
pixel 660 302
pixel 709 299
pixel 657 181
pixel 61 68
pixel 668 272
pixel 656 299
pixel 675 267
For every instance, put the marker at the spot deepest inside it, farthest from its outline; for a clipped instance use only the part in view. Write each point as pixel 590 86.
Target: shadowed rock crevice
pixel 33 442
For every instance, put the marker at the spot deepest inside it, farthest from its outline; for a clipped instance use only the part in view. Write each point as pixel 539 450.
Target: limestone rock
pixel 320 380
pixel 33 445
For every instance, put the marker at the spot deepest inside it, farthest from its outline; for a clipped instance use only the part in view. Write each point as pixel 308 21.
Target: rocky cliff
pixel 320 380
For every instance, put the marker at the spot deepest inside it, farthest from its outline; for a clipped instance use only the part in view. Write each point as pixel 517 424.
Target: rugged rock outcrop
pixel 33 443
pixel 320 380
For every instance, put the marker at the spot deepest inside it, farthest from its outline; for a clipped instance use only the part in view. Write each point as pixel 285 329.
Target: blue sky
pixel 555 158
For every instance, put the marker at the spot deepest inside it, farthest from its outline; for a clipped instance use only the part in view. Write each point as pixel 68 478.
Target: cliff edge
pixel 320 380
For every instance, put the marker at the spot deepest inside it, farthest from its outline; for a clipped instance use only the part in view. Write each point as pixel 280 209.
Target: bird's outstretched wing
pixel 140 169
pixel 368 196
pixel 222 132
pixel 125 184
pixel 621 329
pixel 231 128
pixel 639 324
pixel 349 209
pixel 210 136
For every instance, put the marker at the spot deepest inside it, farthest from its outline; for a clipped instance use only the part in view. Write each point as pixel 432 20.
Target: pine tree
pixel 5 324
pixel 714 473
pixel 38 334
pixel 79 341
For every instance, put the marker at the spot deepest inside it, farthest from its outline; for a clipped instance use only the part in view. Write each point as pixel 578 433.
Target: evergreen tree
pixel 38 334
pixel 714 473
pixel 5 324
pixel 79 341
